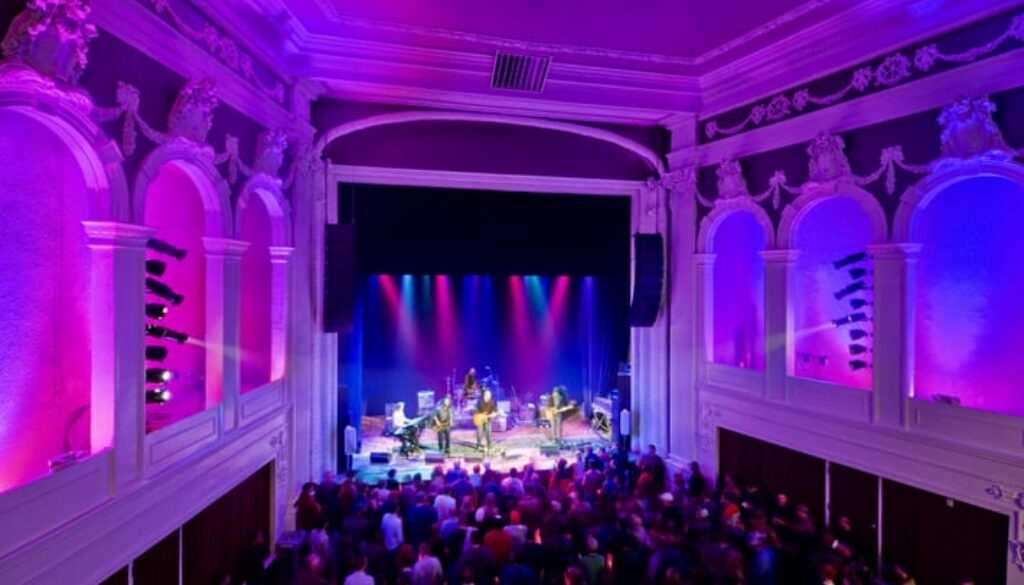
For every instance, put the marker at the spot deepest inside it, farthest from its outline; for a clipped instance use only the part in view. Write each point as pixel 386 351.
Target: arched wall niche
pixel 179 193
pixel 966 281
pixel 826 223
pixel 262 220
pixel 734 234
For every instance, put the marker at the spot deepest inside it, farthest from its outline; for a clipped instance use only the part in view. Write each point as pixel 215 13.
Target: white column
pixel 683 363
pixel 279 280
pixel 893 341
pixel 779 282
pixel 223 288
pixel 117 299
pixel 704 297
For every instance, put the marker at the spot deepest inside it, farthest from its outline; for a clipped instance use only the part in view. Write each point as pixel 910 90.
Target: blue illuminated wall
pixel 970 286
pixel 739 291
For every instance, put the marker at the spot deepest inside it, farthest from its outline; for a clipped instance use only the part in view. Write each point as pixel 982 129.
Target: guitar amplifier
pixel 424 402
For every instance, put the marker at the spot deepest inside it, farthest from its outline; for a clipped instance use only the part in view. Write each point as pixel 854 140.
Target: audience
pixel 603 519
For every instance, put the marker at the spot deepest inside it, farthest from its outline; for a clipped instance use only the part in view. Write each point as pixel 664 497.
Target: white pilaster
pixel 779 281
pixel 223 289
pixel 683 349
pixel 893 342
pixel 704 298
pixel 280 257
pixel 117 291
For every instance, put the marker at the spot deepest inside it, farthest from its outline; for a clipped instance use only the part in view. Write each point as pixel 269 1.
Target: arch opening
pixel 738 306
pixel 255 345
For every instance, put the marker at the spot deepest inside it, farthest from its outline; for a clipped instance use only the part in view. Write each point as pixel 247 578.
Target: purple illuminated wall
pixel 175 208
pixel 832 229
pixel 739 291
pixel 969 323
pixel 255 296
pixel 44 324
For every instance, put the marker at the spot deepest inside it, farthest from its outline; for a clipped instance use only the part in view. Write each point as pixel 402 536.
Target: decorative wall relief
pixel 968 130
pixel 731 183
pixel 52 37
pixel 828 160
pixel 191 116
pixel 270 151
pixel 893 70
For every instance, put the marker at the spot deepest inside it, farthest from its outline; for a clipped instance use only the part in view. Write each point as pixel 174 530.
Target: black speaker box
pixel 339 277
pixel 648 279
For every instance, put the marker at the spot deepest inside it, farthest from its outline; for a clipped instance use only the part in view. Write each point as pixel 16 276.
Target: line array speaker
pixel 648 279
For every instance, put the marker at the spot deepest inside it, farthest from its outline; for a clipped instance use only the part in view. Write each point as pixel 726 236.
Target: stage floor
pixel 512 448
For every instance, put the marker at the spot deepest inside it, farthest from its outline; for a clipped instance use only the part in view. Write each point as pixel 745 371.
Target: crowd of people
pixel 603 519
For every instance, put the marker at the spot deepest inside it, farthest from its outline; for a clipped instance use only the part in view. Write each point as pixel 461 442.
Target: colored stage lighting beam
pixel 857 349
pixel 850 289
pixel 158 375
pixel 858 365
pixel 851 318
pixel 858 303
pixel 163 291
pixel 156 311
pixel 158 396
pixel 165 248
pixel 156 353
pixel 848 260
pixel 160 332
pixel 856 334
pixel 156 267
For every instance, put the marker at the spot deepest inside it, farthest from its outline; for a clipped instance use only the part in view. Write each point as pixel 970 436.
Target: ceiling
pixel 681 29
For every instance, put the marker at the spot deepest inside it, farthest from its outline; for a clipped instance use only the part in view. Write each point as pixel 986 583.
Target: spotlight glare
pixel 156 353
pixel 857 348
pixel 156 267
pixel 850 289
pixel 859 365
pixel 158 396
pixel 156 311
pixel 158 375
pixel 165 248
pixel 163 291
pixel 848 260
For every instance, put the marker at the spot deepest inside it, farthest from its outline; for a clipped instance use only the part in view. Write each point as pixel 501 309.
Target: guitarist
pixel 486 409
pixel 557 412
pixel 443 425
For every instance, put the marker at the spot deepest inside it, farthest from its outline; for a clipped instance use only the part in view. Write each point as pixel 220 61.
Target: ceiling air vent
pixel 519 72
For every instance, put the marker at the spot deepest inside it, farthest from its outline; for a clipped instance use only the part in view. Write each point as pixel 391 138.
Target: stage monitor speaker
pixel 379 458
pixel 549 450
pixel 339 277
pixel 473 458
pixel 648 279
pixel 433 458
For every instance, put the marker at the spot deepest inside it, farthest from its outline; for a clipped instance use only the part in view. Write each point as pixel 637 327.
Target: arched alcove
pixel 255 328
pixel 736 241
pixel 47 188
pixel 968 325
pixel 825 228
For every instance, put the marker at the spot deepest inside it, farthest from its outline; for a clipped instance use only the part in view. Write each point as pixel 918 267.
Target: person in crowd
pixel 359 576
pixel 307 510
pixel 428 569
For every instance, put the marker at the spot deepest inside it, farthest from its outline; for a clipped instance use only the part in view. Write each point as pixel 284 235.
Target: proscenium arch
pixel 196 161
pixel 815 193
pixel 725 208
pixel 918 196
pixel 268 189
pixel 648 155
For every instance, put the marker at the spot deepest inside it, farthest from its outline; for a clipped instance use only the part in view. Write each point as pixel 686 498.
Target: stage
pixel 515 447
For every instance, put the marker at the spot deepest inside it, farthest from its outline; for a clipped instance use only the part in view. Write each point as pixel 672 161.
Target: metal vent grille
pixel 520 72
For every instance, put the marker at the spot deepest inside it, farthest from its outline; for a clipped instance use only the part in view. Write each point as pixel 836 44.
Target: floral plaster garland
pixel 892 71
pixel 221 46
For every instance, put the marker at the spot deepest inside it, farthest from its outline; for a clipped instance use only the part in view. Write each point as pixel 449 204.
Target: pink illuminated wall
pixel 739 291
pixel 970 280
pixel 254 338
pixel 175 208
pixel 832 229
pixel 44 323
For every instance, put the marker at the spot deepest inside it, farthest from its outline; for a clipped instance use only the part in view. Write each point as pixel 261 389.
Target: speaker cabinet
pixel 648 279
pixel 339 277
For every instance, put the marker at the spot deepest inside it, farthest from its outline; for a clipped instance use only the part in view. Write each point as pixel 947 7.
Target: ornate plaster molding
pixel 52 37
pixel 894 69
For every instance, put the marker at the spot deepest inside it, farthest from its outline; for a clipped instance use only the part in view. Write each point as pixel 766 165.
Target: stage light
pixel 851 259
pixel 158 396
pixel 850 289
pixel 165 248
pixel 156 267
pixel 163 291
pixel 858 273
pixel 858 303
pixel 859 365
pixel 156 353
pixel 857 348
pixel 158 375
pixel 856 334
pixel 156 310
pixel 851 318
pixel 160 332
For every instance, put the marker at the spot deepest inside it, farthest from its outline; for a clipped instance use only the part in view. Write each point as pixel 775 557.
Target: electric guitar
pixel 550 412
pixel 481 418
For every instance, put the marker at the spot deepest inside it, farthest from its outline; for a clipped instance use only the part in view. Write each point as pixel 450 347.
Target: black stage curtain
pixel 118 578
pixel 774 469
pixel 216 540
pixel 159 564
pixel 939 540
pixel 854 494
